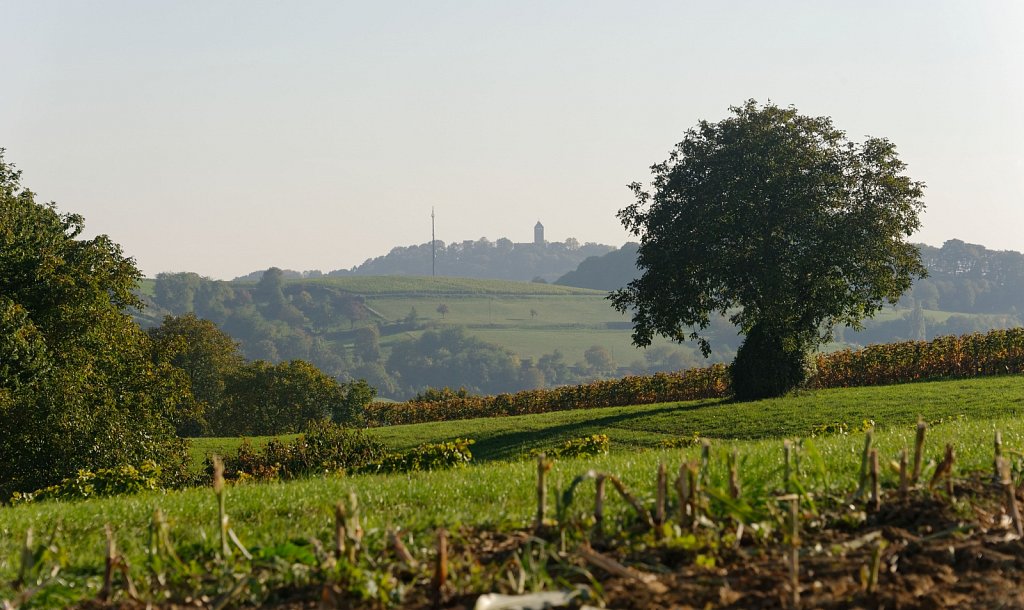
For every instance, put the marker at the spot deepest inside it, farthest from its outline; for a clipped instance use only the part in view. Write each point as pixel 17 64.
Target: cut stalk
pixel 904 481
pixel 876 492
pixel 440 567
pixel 682 490
pixel 542 490
pixel 599 487
pixel 340 518
pixel 734 477
pixel 998 451
pixel 865 458
pixel 1006 481
pixel 794 547
pixel 659 507
pixel 111 563
pixel 787 450
pixel 218 488
pixel 705 459
pixel 918 451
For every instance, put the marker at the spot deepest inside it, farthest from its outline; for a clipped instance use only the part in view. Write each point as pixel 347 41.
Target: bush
pixel 430 456
pixel 117 481
pixel 324 447
pixel 595 444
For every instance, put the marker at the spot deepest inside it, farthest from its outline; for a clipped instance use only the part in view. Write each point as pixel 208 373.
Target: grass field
pixel 499 494
pixel 647 426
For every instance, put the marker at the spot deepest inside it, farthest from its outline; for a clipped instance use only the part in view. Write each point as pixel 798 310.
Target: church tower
pixel 538 234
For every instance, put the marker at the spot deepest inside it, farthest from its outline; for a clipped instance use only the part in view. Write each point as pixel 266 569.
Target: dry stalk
pixel 659 507
pixel 615 568
pixel 682 490
pixel 945 470
pixel 599 487
pixel 787 450
pixel 734 478
pixel 111 564
pixel 922 427
pixel 543 465
pixel 340 517
pixel 876 491
pixel 218 489
pixel 643 513
pixel 998 451
pixel 695 502
pixel 401 551
pixel 353 529
pixel 1006 481
pixel 904 481
pixel 876 565
pixel 440 567
pixel 794 546
pixel 705 459
pixel 865 461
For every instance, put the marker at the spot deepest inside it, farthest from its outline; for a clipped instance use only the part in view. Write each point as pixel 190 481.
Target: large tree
pixel 77 386
pixel 779 222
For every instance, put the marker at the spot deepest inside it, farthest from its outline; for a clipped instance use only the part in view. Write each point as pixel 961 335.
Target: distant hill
pixel 608 272
pixel 501 260
pixel 962 277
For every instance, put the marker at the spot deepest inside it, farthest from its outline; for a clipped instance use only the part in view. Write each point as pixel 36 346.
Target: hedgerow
pixel 997 352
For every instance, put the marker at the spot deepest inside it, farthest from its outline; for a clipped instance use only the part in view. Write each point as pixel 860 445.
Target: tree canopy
pixel 778 221
pixel 77 386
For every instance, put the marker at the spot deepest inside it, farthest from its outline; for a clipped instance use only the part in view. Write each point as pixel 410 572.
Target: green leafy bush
pixel 595 444
pixel 323 447
pixel 120 480
pixel 430 456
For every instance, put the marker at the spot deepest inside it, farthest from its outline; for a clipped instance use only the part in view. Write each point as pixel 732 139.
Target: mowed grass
pixel 496 494
pixel 648 426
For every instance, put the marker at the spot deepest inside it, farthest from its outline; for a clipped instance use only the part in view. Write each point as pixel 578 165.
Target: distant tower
pixel 433 245
pixel 538 234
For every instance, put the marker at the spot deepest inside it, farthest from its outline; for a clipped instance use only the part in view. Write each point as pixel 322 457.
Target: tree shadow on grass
pixel 511 444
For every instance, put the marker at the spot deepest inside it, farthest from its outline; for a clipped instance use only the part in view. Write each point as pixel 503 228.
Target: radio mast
pixel 433 245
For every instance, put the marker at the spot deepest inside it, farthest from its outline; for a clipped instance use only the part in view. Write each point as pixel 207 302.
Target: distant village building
pixel 538 234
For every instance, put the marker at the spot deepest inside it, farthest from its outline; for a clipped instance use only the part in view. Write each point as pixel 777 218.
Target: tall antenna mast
pixel 433 245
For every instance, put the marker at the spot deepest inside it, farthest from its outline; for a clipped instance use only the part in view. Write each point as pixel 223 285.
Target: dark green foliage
pixel 351 411
pixel 777 221
pixel 78 388
pixel 429 456
pixel 206 354
pixel 449 357
pixel 766 366
pixel 265 399
pixel 322 448
pixel 608 272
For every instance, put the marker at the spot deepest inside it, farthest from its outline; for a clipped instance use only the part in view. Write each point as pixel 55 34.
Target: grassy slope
pixel 491 494
pixel 646 426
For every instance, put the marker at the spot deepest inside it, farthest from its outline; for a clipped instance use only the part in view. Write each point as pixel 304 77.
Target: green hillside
pixel 500 495
pixel 650 426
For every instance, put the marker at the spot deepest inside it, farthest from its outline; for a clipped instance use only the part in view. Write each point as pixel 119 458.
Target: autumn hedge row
pixel 997 352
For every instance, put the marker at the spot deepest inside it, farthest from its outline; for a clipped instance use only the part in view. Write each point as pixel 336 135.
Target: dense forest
pixel 501 259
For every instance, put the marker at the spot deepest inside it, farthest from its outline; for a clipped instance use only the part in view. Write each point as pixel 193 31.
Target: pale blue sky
pixel 223 137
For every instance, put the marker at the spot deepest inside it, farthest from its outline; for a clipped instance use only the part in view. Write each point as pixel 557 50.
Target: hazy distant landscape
pixel 334 319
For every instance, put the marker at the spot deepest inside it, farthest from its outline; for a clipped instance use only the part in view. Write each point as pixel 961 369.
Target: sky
pixel 225 137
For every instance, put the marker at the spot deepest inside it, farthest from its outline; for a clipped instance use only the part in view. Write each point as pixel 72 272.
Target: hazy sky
pixel 224 137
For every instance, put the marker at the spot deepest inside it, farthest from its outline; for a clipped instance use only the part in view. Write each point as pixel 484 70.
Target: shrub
pixel 430 456
pixel 595 444
pixel 120 480
pixel 323 447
